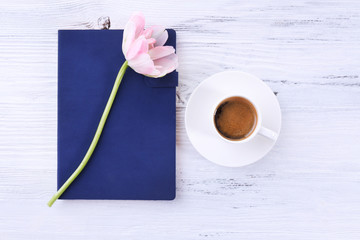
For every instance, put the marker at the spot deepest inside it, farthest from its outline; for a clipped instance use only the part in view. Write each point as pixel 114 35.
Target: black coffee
pixel 235 118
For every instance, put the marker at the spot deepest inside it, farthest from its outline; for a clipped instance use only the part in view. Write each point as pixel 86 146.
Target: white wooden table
pixel 307 187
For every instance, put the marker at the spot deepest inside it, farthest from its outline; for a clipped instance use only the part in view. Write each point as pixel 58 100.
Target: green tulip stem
pixel 96 137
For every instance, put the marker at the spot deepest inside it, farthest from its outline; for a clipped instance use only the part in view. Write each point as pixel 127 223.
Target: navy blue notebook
pixel 135 156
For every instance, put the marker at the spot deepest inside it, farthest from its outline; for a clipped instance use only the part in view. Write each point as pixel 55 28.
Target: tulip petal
pixel 147 33
pixel 166 64
pixel 160 34
pixel 150 42
pixel 132 30
pixel 128 36
pixel 139 20
pixel 161 40
pixel 160 52
pixel 139 46
pixel 143 64
pixel 157 30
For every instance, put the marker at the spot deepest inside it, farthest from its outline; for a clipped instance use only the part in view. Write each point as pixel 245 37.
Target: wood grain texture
pixel 307 187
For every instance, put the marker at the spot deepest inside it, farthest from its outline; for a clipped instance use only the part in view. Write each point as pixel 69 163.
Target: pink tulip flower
pixel 144 48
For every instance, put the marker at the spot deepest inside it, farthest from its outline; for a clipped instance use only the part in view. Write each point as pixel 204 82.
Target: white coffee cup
pixel 259 128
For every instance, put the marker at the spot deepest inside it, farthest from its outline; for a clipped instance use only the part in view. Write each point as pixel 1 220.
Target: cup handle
pixel 268 133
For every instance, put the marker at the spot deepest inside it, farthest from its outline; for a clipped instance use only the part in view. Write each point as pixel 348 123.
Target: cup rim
pixel 254 132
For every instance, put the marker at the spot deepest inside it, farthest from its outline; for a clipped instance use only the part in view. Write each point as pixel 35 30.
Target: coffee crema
pixel 235 118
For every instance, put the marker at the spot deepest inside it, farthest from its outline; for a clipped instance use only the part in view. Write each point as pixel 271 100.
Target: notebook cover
pixel 135 156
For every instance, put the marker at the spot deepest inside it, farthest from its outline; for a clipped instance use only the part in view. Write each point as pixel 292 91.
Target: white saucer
pixel 199 126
